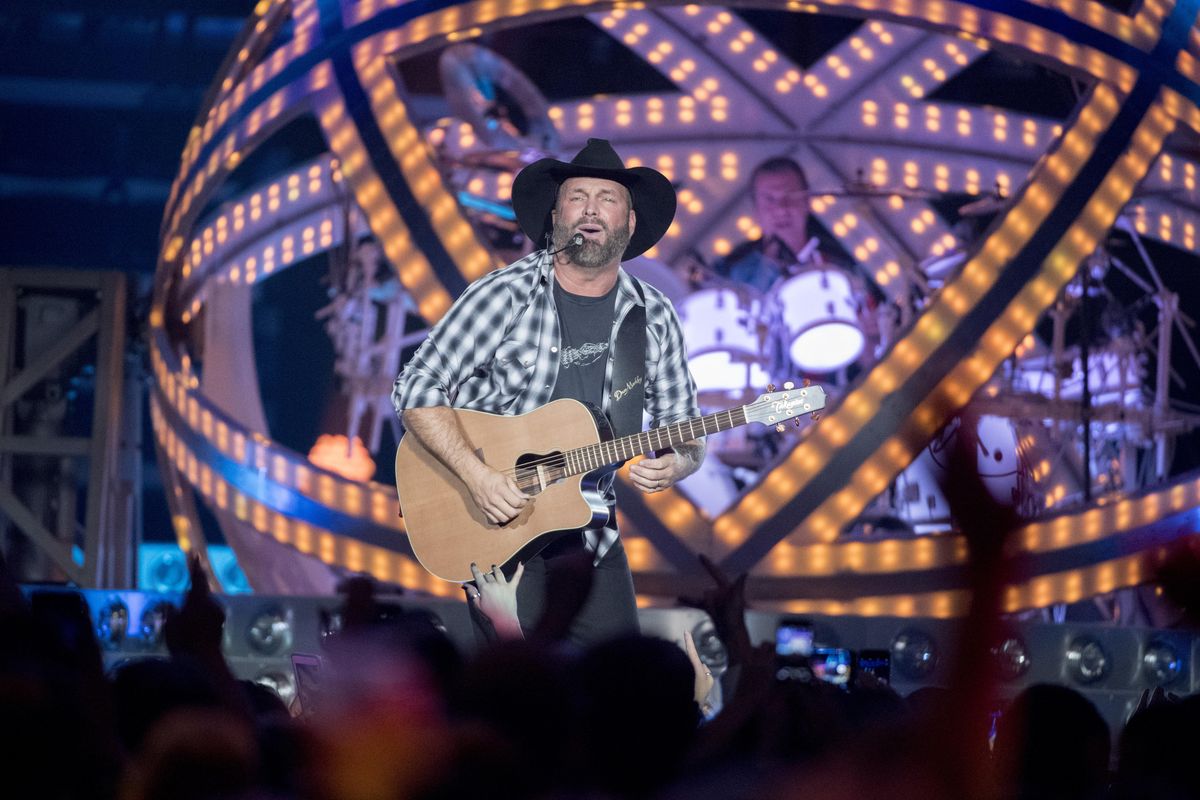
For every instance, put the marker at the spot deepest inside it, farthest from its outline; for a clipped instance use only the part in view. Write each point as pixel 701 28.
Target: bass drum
pixel 818 314
pixel 919 497
pixel 721 329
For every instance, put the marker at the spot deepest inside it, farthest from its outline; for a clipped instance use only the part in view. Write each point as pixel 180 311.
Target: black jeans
pixel 610 609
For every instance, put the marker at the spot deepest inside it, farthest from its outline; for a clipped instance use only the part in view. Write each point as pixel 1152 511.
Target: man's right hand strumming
pixel 495 494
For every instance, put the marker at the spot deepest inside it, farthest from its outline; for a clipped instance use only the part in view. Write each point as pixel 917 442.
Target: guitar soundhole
pixel 536 471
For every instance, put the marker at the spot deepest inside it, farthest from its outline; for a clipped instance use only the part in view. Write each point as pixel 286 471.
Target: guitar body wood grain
pixel 448 532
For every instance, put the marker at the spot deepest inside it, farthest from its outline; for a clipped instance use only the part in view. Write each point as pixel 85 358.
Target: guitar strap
pixel 624 404
pixel 629 370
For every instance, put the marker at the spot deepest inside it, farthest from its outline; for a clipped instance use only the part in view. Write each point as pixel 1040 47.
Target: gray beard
pixel 590 254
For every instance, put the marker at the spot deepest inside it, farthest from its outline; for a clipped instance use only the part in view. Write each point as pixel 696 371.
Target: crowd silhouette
pixel 403 713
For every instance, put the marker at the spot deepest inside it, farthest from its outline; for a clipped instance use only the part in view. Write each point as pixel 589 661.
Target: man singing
pixel 546 327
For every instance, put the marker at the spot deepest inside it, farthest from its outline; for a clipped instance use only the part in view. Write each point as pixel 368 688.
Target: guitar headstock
pixel 775 408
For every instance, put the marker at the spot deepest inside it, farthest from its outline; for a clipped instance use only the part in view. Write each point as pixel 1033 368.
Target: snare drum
pixel 720 327
pixel 819 316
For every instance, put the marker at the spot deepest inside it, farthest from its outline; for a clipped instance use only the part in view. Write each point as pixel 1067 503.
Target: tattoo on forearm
pixel 693 451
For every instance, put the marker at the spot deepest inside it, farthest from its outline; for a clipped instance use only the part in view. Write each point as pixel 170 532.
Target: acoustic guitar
pixel 558 455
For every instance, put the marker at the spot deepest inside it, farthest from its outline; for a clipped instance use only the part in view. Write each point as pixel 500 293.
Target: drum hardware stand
pixel 1170 318
pixel 1085 399
pixel 1158 422
pixel 1058 345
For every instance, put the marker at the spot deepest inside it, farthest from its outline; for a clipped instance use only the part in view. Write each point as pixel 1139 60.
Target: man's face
pixel 599 210
pixel 781 203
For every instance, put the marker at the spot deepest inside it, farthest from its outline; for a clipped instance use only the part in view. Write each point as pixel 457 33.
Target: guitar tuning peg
pixel 788 385
pixel 807 383
pixel 796 422
pixel 816 415
pixel 780 428
pixel 770 387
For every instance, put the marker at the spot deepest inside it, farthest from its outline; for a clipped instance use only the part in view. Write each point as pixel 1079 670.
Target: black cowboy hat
pixel 535 191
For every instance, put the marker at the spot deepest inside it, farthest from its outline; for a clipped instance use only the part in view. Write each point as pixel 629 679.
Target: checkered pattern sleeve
pixel 670 390
pixel 463 341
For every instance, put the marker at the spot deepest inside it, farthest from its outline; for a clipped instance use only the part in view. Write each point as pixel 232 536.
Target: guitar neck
pixel 604 454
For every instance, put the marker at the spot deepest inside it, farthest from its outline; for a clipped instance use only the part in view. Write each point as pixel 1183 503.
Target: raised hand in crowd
pixel 986 524
pixel 704 678
pixel 1151 698
pixel 196 628
pixel 495 596
pixel 194 633
pixel 725 604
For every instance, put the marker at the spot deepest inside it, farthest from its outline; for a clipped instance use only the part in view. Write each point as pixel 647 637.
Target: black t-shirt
pixel 586 324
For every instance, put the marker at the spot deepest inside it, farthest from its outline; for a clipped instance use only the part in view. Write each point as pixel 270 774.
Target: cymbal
pixel 868 190
pixel 941 266
pixel 988 204
pixel 499 160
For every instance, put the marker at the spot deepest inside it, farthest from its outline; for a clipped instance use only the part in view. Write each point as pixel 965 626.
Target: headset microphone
pixel 574 241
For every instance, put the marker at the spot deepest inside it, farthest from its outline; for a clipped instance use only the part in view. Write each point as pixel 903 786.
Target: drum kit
pixel 810 322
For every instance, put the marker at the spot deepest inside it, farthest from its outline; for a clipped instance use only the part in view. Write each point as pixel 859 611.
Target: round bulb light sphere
pixel 1087 661
pixel 1161 663
pixel 914 654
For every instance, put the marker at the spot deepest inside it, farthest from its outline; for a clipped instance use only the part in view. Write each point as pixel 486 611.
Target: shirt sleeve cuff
pixel 419 395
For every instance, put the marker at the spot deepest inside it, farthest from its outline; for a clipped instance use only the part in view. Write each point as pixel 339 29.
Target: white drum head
pixel 820 315
pixel 723 379
pixel 920 499
pixel 827 347
pixel 720 321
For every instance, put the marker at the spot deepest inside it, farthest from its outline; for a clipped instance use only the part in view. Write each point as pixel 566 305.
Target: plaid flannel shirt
pixel 497 349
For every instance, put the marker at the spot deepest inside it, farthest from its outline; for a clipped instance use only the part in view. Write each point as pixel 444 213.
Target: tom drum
pixel 819 315
pixel 720 326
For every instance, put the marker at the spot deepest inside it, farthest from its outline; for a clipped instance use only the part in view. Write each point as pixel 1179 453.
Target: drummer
pixel 779 190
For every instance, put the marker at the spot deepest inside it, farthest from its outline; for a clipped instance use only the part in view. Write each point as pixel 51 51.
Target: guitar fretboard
pixel 595 456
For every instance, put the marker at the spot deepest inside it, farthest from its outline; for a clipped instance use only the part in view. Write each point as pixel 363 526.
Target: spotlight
pixel 1086 660
pixel 232 579
pixel 1011 657
pixel 112 624
pixel 914 654
pixel 154 619
pixel 270 632
pixel 709 647
pixel 167 572
pixel 1161 663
